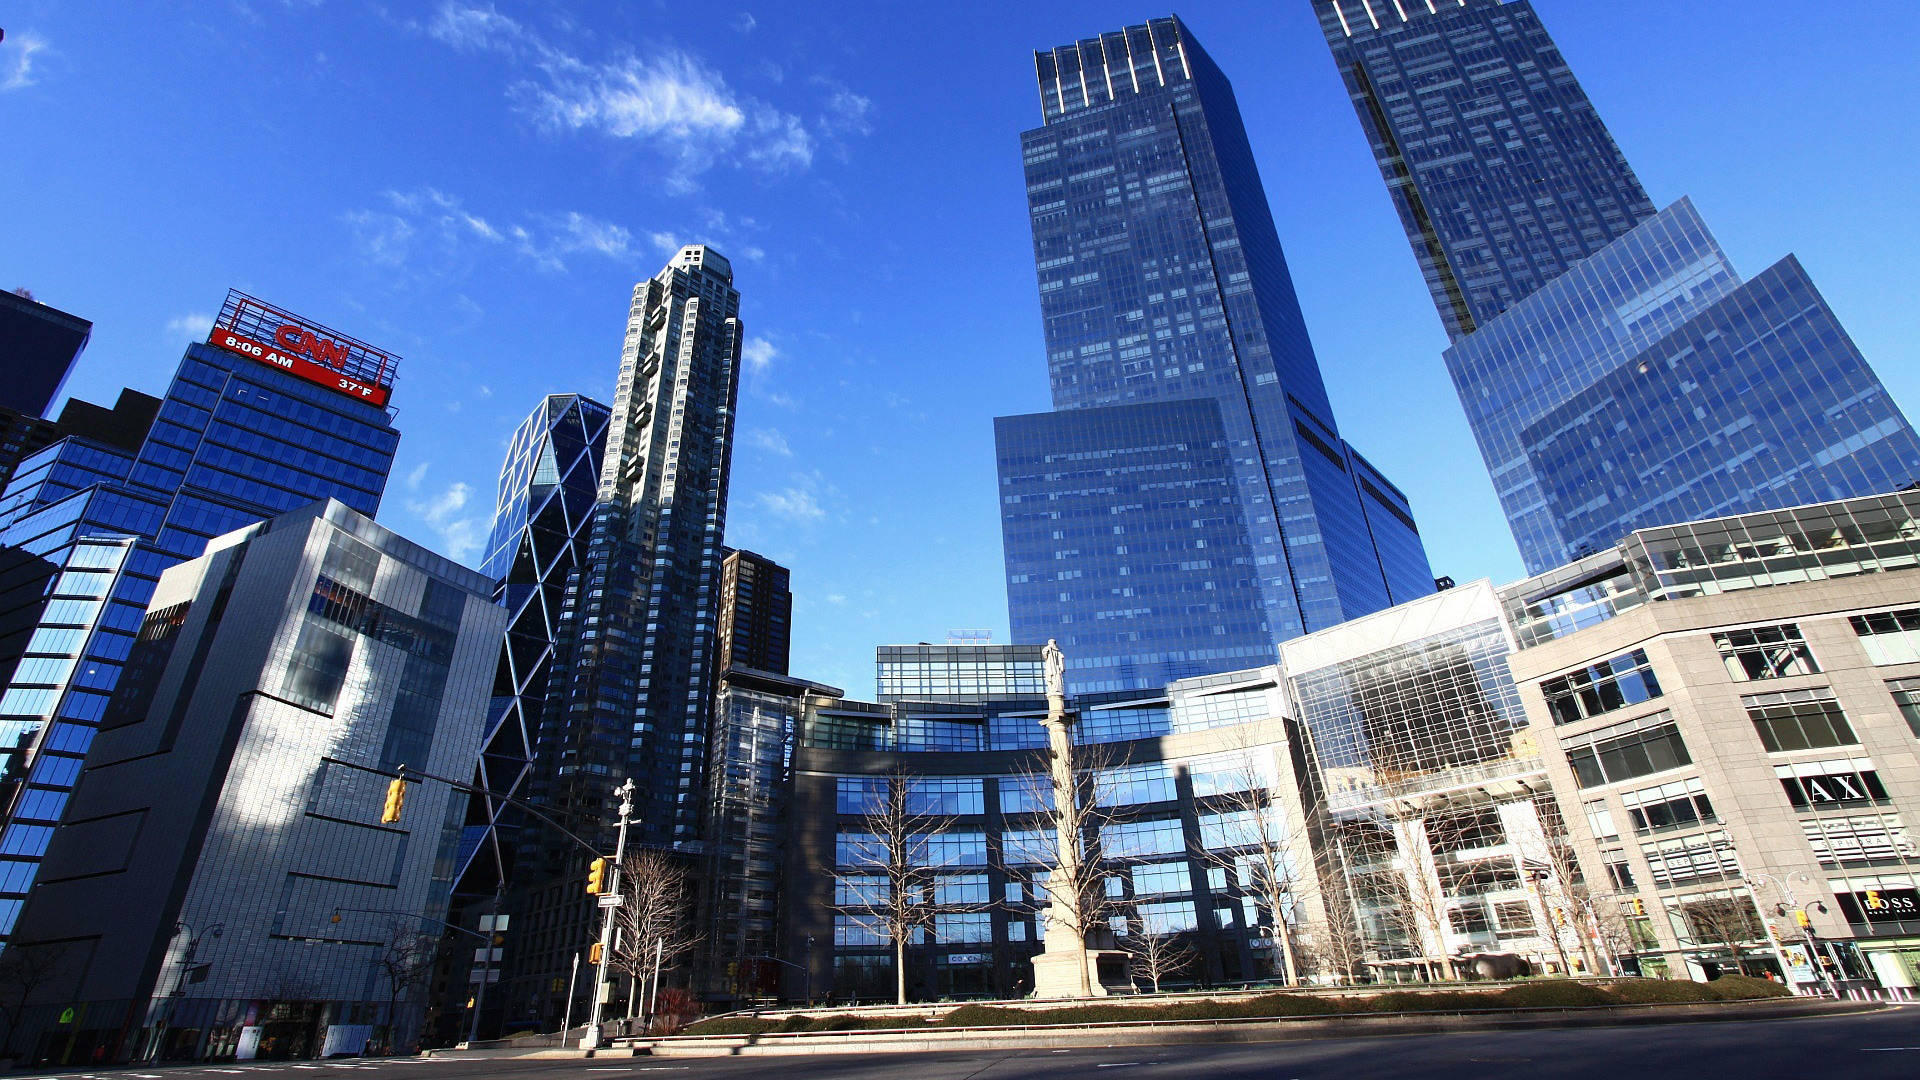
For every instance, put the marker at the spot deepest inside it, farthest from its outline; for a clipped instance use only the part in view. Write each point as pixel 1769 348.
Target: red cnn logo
pixel 298 339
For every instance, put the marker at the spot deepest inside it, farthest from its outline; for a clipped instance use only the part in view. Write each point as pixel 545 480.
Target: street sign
pixel 612 899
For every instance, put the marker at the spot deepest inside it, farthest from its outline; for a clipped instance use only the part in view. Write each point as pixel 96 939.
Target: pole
pixel 653 999
pixel 625 791
pixel 491 927
pixel 566 1018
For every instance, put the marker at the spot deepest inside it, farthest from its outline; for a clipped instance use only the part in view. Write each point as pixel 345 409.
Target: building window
pixel 1765 652
pixel 1890 637
pixel 1619 871
pixel 1606 686
pixel 859 795
pixel 1691 858
pixel 1600 821
pixel 1135 785
pixel 963 927
pixel 1141 838
pixel 1906 694
pixel 1514 916
pixel 946 796
pixel 1679 805
pixel 1858 838
pixel 1629 756
pixel 1814 784
pixel 1801 720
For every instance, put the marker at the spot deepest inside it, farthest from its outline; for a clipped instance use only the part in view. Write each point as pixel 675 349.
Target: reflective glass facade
pixel 236 441
pixel 1616 370
pixel 231 785
pixel 548 486
pixel 1162 280
pixel 1501 170
pixel 1172 797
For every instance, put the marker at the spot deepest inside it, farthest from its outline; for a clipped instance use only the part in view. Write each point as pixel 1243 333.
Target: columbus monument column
pixel 1065 968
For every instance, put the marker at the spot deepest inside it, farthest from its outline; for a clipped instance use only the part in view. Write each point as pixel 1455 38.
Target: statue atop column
pixel 1056 668
pixel 1066 967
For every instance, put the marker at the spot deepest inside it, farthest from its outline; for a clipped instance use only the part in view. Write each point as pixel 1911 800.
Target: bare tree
pixel 1336 943
pixel 406 963
pixel 883 880
pixel 24 970
pixel 1079 902
pixel 1255 846
pixel 1157 954
pixel 652 924
pixel 1571 905
pixel 1727 919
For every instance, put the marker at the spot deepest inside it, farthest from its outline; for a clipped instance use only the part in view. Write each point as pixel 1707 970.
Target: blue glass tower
pixel 272 413
pixel 541 524
pixel 1617 371
pixel 1162 280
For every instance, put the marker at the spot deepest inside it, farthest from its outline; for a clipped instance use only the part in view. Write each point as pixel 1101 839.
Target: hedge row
pixel 1536 995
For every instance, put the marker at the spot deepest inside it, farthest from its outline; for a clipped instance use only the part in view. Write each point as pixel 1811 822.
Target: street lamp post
pixel 1799 915
pixel 158 1039
pixel 592 1037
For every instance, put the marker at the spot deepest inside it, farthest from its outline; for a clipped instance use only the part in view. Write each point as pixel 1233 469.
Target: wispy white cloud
pixel 794 504
pixel 665 97
pixel 394 234
pixel 846 113
pixel 193 326
pixel 16 59
pixel 745 22
pixel 461 533
pixel 758 354
pixel 771 440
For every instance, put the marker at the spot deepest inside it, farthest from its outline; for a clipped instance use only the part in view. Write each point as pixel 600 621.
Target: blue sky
pixel 477 187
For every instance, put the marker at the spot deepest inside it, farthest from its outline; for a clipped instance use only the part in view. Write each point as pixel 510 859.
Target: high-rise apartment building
pixel 756 613
pixel 631 691
pixel 270 414
pixel 1190 502
pixel 1616 370
pixel 224 861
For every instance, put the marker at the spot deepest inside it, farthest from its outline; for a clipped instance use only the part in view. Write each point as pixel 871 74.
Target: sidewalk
pixel 1168 1033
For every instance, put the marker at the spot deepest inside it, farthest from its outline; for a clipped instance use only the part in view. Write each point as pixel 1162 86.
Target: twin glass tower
pixel 1190 503
pixel 1617 371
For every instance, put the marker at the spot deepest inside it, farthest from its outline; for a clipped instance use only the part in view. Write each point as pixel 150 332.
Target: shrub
pixel 1288 1005
pixel 1658 991
pixel 1744 988
pixel 980 1016
pixel 1550 994
pixel 1426 1001
pixel 732 1025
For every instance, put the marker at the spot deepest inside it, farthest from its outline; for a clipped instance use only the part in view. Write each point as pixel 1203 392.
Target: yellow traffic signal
pixel 1800 916
pixel 593 954
pixel 396 798
pixel 597 878
pixel 1873 899
pixel 1637 906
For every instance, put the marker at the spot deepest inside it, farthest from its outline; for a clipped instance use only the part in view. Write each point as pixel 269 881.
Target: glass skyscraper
pixel 542 522
pixel 631 689
pixel 1617 372
pixel 1169 309
pixel 270 414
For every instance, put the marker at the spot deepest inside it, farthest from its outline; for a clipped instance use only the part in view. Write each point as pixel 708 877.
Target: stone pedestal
pixel 1056 973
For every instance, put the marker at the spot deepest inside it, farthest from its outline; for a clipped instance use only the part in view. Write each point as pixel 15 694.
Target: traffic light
pixel 1637 906
pixel 593 954
pixel 1874 903
pixel 1800 916
pixel 597 878
pixel 396 798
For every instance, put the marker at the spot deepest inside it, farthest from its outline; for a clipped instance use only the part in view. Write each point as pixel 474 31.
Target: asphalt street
pixel 1865 1047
